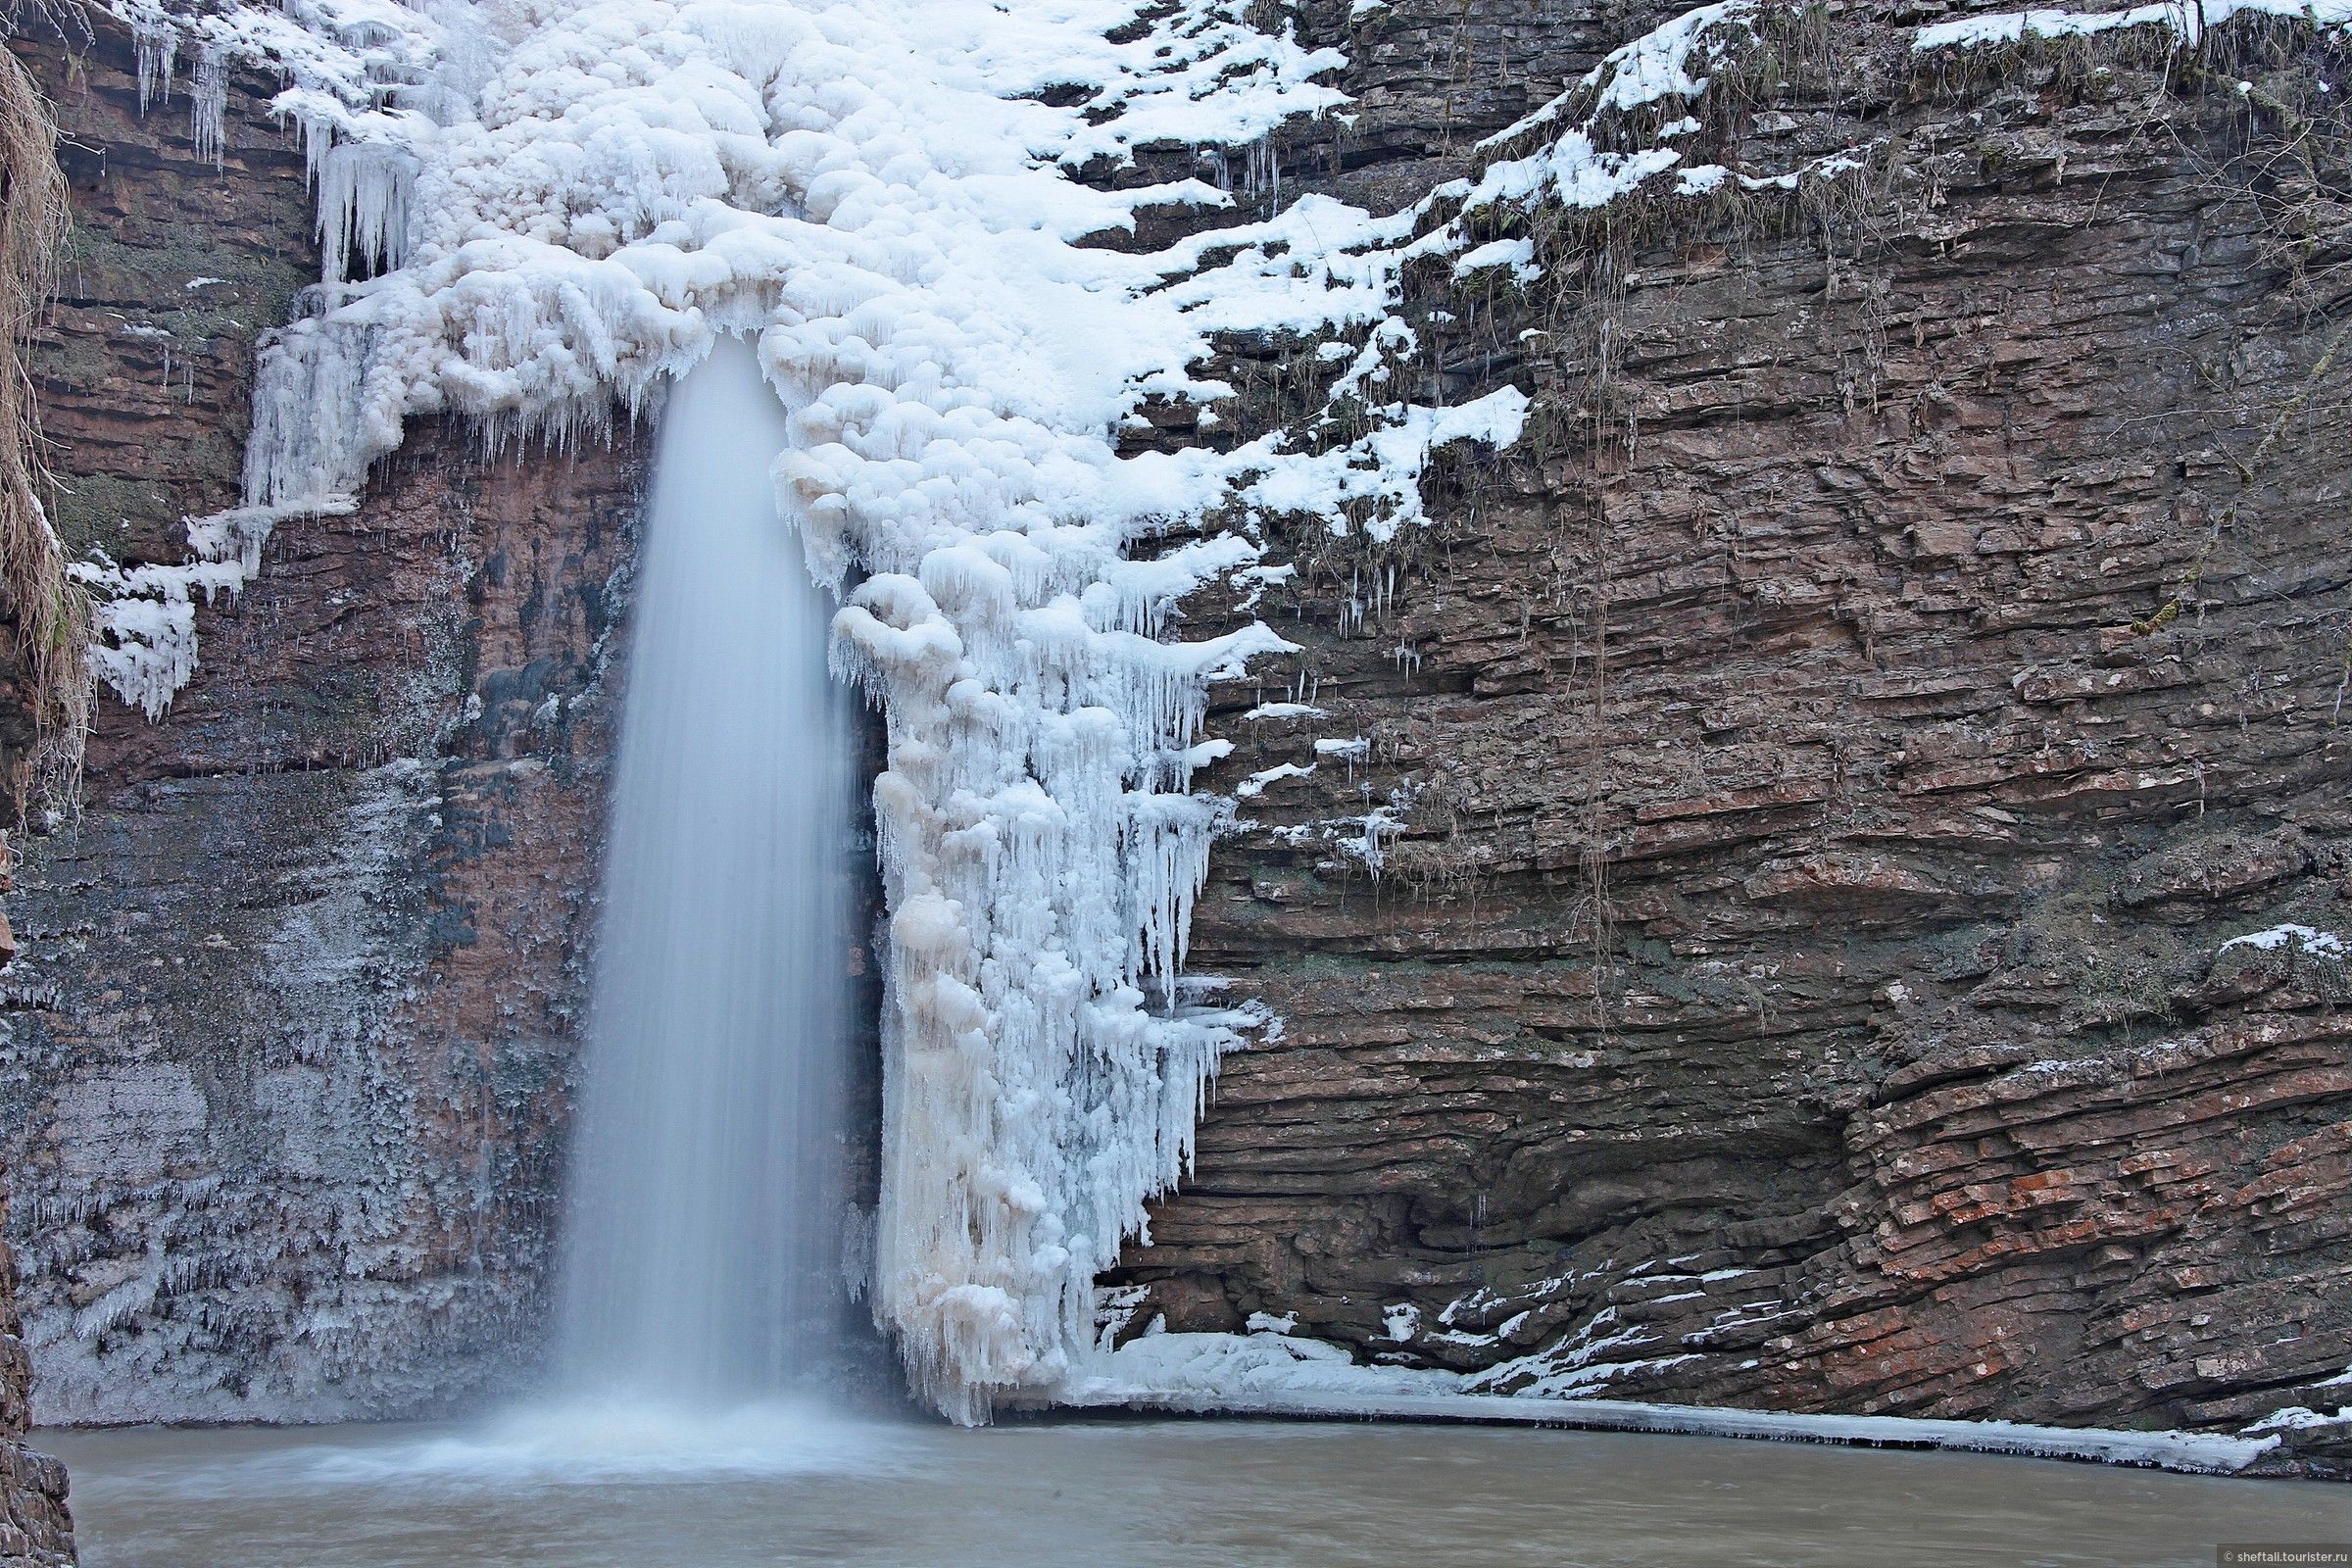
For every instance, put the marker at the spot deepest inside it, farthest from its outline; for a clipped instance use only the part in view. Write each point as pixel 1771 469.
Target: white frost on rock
pixel 2189 20
pixel 2313 942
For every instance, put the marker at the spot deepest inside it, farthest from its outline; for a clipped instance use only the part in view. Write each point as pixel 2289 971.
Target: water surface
pixel 791 1486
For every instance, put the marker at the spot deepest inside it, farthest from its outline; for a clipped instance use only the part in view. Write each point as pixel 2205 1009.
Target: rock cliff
pixel 43 700
pixel 1762 914
pixel 284 1061
pixel 35 1531
pixel 1752 893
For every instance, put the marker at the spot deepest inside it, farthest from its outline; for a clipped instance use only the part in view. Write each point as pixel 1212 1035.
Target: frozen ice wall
pixel 564 206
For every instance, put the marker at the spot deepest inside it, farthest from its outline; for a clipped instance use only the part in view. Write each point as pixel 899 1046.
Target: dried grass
pixel 46 617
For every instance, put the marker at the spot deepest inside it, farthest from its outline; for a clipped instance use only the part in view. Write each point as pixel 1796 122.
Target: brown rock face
pixel 305 978
pixel 1773 945
pixel 1824 767
pixel 37 626
pixel 284 1073
pixel 35 1531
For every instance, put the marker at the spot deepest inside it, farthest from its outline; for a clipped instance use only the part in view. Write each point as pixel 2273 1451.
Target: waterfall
pixel 703 1256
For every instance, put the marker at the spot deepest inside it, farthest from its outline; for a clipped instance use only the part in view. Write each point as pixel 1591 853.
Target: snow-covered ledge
pixel 1268 1374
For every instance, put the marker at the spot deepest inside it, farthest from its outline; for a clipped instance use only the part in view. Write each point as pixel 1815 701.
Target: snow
pixel 1657 65
pixel 1603 139
pixel 1383 467
pixel 1516 255
pixel 1700 179
pixel 1271 1374
pixel 1578 1364
pixel 1256 784
pixel 2316 943
pixel 2188 21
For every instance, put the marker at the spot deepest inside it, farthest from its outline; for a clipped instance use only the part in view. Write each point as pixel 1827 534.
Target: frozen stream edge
pixel 2189 1452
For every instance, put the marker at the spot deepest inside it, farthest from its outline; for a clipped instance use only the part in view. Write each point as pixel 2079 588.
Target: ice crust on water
pixel 1275 1373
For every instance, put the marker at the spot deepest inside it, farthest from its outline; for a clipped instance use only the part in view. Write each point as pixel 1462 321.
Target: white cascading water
pixel 703 1256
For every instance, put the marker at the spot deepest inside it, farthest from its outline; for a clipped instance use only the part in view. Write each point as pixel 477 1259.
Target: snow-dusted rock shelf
pixel 2184 19
pixel 1215 1374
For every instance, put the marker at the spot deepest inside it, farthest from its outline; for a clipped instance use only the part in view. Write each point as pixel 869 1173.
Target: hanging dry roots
pixel 44 619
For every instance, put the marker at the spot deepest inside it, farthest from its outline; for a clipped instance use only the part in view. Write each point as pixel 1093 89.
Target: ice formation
pixel 533 217
pixel 1268 1372
pixel 529 218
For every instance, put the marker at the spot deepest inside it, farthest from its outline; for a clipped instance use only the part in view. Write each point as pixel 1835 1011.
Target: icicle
pixel 155 42
pixel 208 103
pixel 314 429
pixel 1264 175
pixel 364 190
pixel 144 648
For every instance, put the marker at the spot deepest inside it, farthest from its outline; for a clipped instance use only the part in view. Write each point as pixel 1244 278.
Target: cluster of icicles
pixel 566 204
pixel 563 210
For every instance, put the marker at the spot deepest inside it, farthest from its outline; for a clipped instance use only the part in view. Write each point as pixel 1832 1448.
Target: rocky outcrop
pixel 43 702
pixel 1752 894
pixel 35 1531
pixel 1763 926
pixel 284 1067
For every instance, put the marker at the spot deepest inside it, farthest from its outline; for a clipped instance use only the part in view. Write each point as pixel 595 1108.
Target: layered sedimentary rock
pixel 35 1531
pixel 1750 892
pixel 284 1061
pixel 1754 894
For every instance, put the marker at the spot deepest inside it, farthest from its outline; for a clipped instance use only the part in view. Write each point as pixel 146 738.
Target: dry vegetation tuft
pixel 45 616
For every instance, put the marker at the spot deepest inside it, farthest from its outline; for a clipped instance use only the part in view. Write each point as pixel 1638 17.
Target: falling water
pixel 702 1264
